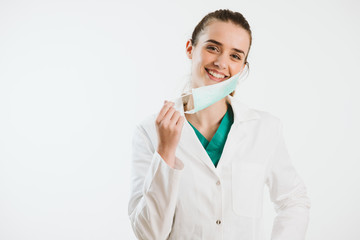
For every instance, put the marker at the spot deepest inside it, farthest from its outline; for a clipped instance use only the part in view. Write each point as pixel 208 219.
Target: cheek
pixel 235 68
pixel 198 62
pixel 207 57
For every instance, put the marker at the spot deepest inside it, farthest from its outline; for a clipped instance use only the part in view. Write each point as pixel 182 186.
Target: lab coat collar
pixel 241 111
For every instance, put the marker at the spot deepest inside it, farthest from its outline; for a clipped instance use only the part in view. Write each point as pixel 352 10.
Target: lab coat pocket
pixel 247 188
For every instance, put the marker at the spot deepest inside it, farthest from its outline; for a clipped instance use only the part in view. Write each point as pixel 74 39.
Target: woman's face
pixel 219 53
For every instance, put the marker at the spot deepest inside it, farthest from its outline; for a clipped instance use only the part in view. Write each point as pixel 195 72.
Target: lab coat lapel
pixel 235 143
pixel 236 140
pixel 190 144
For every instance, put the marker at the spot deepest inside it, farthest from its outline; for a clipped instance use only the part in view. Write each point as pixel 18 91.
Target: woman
pixel 201 175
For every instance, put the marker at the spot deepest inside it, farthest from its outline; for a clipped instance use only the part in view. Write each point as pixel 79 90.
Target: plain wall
pixel 77 76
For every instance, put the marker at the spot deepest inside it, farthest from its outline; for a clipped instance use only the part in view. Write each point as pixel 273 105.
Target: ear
pixel 189 49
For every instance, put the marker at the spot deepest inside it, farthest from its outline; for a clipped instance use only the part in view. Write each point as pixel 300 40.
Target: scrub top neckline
pixel 215 146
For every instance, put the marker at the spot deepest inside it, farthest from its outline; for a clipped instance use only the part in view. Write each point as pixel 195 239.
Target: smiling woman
pixel 223 33
pixel 219 52
pixel 201 175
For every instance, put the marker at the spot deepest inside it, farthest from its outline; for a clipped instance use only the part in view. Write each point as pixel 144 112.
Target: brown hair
pixel 224 15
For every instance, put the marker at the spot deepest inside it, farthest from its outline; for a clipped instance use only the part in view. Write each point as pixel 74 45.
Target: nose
pixel 221 61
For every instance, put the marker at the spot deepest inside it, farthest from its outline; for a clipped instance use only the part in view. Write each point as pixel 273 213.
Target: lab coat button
pixel 218 222
pixel 218 183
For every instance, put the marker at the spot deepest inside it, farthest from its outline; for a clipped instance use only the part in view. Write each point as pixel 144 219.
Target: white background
pixel 76 76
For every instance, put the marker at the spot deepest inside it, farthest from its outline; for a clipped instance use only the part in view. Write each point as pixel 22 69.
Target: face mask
pixel 203 97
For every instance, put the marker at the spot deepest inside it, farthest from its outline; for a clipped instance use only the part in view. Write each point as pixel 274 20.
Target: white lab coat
pixel 195 200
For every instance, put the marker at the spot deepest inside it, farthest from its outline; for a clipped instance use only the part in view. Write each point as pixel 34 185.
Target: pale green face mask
pixel 203 97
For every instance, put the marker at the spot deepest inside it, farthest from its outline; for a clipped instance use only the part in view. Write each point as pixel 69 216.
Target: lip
pixel 214 78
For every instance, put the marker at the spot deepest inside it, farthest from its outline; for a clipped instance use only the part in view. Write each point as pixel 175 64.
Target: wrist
pixel 168 156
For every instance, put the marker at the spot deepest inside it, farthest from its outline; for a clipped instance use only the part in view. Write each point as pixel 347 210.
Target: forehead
pixel 227 33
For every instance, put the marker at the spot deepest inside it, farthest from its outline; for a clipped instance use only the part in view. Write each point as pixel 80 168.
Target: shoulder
pixel 269 124
pixel 267 117
pixel 263 125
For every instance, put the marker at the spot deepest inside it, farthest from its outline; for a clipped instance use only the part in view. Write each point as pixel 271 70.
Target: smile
pixel 215 76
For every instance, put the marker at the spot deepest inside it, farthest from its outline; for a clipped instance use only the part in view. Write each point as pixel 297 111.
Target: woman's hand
pixel 169 124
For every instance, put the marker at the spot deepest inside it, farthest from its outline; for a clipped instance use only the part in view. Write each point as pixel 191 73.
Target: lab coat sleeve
pixel 154 190
pixel 288 193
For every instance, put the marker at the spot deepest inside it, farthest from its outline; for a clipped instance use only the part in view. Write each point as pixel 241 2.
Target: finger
pixel 163 110
pixel 180 121
pixel 169 114
pixel 175 117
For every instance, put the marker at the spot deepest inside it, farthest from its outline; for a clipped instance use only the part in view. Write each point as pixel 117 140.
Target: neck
pixel 210 116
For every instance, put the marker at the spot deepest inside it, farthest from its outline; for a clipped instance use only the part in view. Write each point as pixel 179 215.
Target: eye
pixel 212 48
pixel 236 56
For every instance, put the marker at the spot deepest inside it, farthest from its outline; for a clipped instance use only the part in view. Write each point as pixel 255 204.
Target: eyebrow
pixel 220 44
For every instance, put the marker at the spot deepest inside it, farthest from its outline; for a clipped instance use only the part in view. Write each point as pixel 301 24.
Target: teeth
pixel 216 74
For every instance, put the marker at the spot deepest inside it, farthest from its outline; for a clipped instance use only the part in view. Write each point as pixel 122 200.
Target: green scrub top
pixel 215 147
